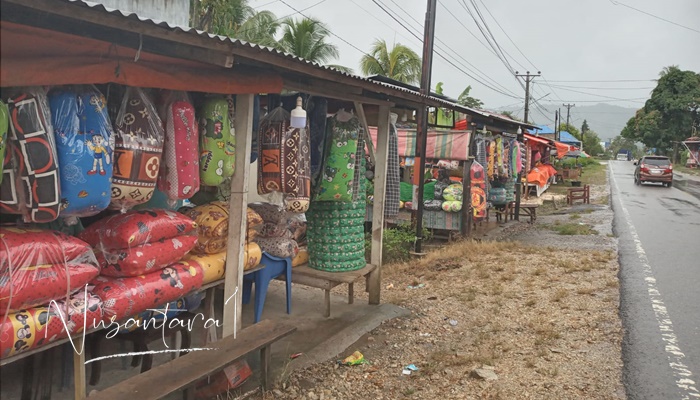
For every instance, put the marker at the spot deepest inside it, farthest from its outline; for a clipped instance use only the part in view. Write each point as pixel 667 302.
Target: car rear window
pixel 657 161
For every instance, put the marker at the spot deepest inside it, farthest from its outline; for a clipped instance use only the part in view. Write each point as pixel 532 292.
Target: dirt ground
pixel 530 313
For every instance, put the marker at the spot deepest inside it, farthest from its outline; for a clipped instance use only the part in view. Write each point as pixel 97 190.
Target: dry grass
pixel 513 304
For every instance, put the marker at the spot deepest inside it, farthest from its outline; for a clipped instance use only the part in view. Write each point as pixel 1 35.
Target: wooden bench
pixel 529 210
pixel 578 193
pixel 503 211
pixel 186 371
pixel 304 275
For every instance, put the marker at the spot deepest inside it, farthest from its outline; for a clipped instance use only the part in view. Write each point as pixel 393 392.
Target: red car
pixel 654 169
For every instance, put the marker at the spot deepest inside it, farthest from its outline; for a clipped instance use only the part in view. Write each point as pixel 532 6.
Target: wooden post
pixel 79 381
pixel 238 204
pixel 382 153
pixel 467 218
pixel 368 137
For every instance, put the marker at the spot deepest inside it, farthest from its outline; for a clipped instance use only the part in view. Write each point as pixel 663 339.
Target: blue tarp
pixel 542 129
pixel 566 137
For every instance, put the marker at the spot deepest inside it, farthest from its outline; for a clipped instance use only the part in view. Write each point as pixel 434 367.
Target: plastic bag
pixel 270 213
pixel 84 142
pixel 124 297
pixel 137 151
pixel 278 247
pixel 338 173
pixel 452 206
pixel 145 258
pixel 438 189
pixel 179 175
pixel 433 205
pixel 39 266
pixel 31 186
pixel 453 192
pixel 4 126
pixel 497 196
pixel 213 265
pixel 35 327
pixel 217 142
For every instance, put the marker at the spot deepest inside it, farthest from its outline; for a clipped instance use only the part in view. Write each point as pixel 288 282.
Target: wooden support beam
pixel 363 120
pixel 79 381
pixel 380 172
pixel 334 94
pixel 238 205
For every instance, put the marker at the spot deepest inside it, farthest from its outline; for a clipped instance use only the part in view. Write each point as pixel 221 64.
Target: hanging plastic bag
pixel 137 151
pixel 84 141
pixel 338 176
pixel 272 129
pixel 32 188
pixel 217 143
pixel 179 175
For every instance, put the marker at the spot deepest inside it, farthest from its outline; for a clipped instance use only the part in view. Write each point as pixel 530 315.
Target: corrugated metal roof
pixel 247 45
pixel 566 137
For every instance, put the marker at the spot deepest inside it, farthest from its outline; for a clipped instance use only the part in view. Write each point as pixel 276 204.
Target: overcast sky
pixel 568 40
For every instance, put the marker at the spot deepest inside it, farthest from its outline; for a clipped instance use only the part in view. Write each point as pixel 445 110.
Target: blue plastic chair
pixel 273 267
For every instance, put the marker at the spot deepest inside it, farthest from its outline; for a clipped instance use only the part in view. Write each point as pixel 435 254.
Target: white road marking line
pixel 673 350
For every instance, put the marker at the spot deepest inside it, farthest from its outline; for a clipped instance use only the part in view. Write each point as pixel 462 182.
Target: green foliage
pixel 397 242
pixel 307 38
pixel 399 63
pixel 671 112
pixel 571 162
pixel 221 17
pixel 261 29
pixel 620 142
pixel 468 101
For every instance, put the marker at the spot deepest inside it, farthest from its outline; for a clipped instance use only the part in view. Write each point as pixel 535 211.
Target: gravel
pixel 531 315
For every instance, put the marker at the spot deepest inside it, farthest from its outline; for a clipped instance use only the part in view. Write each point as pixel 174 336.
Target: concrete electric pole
pixel 568 112
pixel 528 78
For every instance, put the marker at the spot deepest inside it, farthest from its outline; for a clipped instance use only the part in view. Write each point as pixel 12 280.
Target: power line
pixel 634 100
pixel 507 35
pixel 591 94
pixel 614 80
pixel 603 88
pixel 454 52
pixel 617 3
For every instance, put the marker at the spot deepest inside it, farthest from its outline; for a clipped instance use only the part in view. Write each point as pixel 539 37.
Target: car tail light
pixel 644 168
pixel 669 169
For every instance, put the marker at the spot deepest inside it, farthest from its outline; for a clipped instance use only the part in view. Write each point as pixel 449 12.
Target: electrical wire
pixel 603 88
pixel 617 3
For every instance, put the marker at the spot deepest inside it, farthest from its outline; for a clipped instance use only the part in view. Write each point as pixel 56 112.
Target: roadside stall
pixel 692 146
pixel 540 172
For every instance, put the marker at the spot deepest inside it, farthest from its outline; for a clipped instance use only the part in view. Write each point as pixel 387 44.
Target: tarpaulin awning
pixel 563 149
pixel 442 144
pixel 35 57
pixel 537 139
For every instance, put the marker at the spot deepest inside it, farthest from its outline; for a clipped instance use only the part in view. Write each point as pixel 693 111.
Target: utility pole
pixel 568 112
pixel 556 125
pixel 426 71
pixel 528 78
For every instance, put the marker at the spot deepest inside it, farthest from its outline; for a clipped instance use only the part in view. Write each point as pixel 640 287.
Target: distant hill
pixel 605 119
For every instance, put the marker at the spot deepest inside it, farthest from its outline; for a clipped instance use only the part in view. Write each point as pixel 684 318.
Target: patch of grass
pixel 408 392
pixel 539 271
pixel 530 363
pixel 575 216
pixel 613 283
pixel 573 229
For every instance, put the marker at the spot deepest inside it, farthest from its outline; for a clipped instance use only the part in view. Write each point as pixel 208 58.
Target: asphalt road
pixel 659 247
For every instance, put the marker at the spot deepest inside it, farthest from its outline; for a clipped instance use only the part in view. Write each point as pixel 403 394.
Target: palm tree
pixel 221 17
pixel 400 63
pixel 306 39
pixel 261 29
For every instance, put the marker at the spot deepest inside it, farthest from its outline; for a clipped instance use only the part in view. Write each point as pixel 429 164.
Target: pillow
pixel 24 248
pixel 124 297
pixel 36 285
pixel 213 265
pixel 135 228
pixel 179 176
pixel 253 254
pixel 84 141
pixel 279 247
pixel 146 258
pixel 217 144
pixel 137 151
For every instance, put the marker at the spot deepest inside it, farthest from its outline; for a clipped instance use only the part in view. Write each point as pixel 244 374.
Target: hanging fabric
pixel 318 110
pixel 272 128
pixel 338 174
pixel 393 178
pixel 491 159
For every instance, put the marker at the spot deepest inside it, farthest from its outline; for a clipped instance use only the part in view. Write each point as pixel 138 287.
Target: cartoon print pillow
pixel 22 248
pixel 213 265
pixel 135 228
pixel 33 187
pixel 137 150
pixel 4 126
pixel 146 258
pixel 179 177
pixel 124 297
pixel 212 226
pixel 217 149
pixel 84 141
pixel 35 285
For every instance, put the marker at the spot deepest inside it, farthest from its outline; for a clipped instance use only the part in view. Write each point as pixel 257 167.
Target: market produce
pixel 84 143
pixel 124 297
pixel 216 142
pixel 35 273
pixel 4 127
pixel 135 228
pixel 35 327
pixel 339 170
pixel 31 186
pixel 179 175
pixel 137 151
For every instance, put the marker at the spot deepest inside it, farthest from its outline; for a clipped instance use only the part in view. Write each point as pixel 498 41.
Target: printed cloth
pixel 393 178
pixel 4 126
pixel 339 170
pixel 217 142
pixel 318 110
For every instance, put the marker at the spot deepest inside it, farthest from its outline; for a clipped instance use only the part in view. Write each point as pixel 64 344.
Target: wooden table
pixel 304 275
